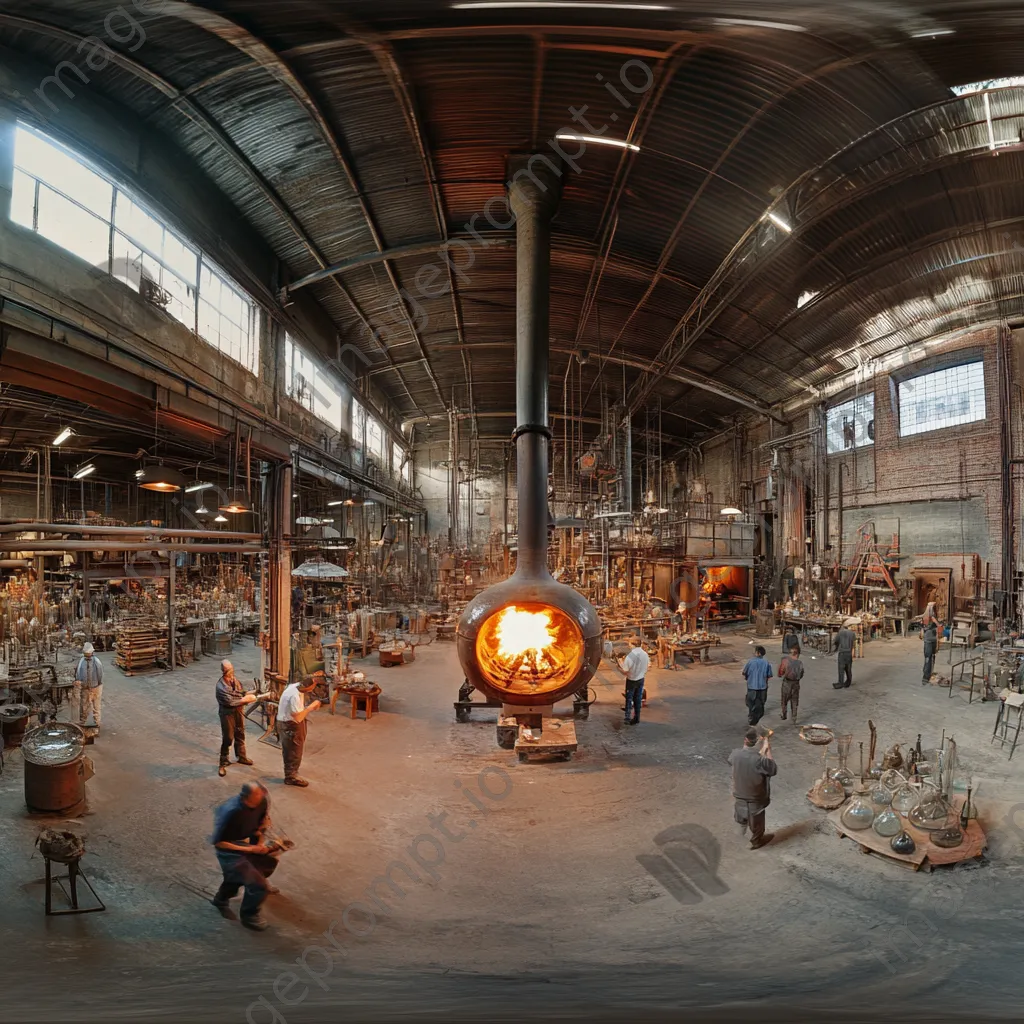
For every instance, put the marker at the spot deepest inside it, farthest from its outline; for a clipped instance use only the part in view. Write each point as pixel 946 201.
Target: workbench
pixel 805 623
pixel 669 649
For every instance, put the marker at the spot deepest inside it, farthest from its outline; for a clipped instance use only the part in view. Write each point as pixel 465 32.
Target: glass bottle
pixel 903 842
pixel 857 814
pixel 887 823
pixel 967 812
pixel 905 798
pixel 881 797
pixel 842 774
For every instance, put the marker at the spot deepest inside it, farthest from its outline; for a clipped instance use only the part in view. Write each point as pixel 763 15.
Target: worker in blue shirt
pixel 757 672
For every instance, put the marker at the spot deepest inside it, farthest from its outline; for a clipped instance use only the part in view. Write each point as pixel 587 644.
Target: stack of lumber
pixel 139 647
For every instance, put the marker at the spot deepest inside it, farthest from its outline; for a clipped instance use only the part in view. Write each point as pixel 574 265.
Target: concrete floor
pixel 540 907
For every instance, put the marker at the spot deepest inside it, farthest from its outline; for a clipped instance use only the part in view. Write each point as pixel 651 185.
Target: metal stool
pixel 73 877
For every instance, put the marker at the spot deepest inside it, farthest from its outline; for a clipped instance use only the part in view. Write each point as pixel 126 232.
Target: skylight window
pixel 989 83
pixel 806 297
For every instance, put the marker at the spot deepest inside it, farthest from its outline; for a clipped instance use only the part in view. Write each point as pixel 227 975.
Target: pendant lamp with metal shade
pixel 160 478
pixel 237 501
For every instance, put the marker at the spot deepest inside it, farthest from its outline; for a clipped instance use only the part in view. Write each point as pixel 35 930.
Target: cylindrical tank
pixel 56 770
pixel 57 788
pixel 13 722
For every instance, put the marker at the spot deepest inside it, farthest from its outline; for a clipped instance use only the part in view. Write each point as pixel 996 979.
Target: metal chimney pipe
pixel 534 191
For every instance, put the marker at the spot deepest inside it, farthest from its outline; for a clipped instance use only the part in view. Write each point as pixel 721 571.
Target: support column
pixel 279 507
pixel 170 610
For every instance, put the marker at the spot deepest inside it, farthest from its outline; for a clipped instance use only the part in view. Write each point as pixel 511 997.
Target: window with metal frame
pixel 57 195
pixel 942 398
pixel 850 424
pixel 307 384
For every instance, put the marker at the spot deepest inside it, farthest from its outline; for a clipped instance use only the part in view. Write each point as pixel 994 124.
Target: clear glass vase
pixel 906 798
pixel 888 823
pixel 857 814
pixel 842 774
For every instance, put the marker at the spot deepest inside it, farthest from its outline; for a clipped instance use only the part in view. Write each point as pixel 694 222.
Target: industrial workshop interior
pixel 511 510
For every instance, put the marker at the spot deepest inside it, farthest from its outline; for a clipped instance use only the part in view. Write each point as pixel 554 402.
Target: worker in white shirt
pixel 634 668
pixel 291 726
pixel 88 691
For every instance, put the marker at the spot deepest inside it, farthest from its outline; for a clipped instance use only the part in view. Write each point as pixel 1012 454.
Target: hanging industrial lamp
pixel 236 502
pixel 164 479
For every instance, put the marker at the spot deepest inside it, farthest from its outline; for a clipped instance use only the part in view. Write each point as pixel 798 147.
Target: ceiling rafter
pixel 262 54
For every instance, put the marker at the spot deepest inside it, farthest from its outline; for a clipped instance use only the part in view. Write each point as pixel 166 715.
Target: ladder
pixel 868 563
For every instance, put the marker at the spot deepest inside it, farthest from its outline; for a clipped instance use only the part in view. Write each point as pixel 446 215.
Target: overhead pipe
pixel 45 548
pixel 126 531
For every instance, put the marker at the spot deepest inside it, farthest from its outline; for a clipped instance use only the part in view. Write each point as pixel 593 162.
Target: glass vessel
pixel 932 813
pixel 842 774
pixel 893 779
pixel 948 838
pixel 903 842
pixel 880 797
pixel 967 812
pixel 905 798
pixel 857 814
pixel 887 823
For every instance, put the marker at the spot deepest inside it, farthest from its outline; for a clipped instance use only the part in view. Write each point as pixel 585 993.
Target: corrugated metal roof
pixel 309 117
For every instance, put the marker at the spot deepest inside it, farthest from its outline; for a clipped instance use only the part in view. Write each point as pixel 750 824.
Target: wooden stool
pixel 370 703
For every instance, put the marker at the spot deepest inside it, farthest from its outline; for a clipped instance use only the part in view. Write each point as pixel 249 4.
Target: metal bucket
pixel 56 770
pixel 13 722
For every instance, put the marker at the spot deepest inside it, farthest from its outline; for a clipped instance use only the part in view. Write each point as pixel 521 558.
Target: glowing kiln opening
pixel 529 648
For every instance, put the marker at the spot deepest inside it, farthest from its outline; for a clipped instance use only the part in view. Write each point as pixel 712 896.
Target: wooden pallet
pixel 139 648
pixel 925 855
pixel 557 738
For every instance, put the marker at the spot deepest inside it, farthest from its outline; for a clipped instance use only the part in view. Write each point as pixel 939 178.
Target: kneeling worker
pixel 291 725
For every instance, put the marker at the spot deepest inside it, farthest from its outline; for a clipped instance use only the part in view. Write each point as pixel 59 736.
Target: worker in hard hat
pixel 88 691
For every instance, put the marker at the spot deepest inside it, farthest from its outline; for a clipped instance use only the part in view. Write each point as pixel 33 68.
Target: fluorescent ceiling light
pixel 85 471
pixel 782 26
pixel 62 437
pixel 598 140
pixel 496 5
pixel 332 504
pixel 931 32
pixel 779 222
pixel 197 487
pixel 611 515
pixel 731 511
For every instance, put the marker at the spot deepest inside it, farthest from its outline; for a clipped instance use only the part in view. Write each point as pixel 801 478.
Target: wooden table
pixel 926 854
pixel 803 623
pixel 696 651
pixel 370 699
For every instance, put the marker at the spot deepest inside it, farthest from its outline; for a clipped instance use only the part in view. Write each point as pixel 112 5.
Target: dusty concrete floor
pixel 540 907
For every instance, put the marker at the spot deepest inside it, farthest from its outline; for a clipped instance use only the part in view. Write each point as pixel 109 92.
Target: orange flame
pixel 523 637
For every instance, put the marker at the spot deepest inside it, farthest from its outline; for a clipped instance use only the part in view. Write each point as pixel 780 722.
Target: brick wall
pixel 940 490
